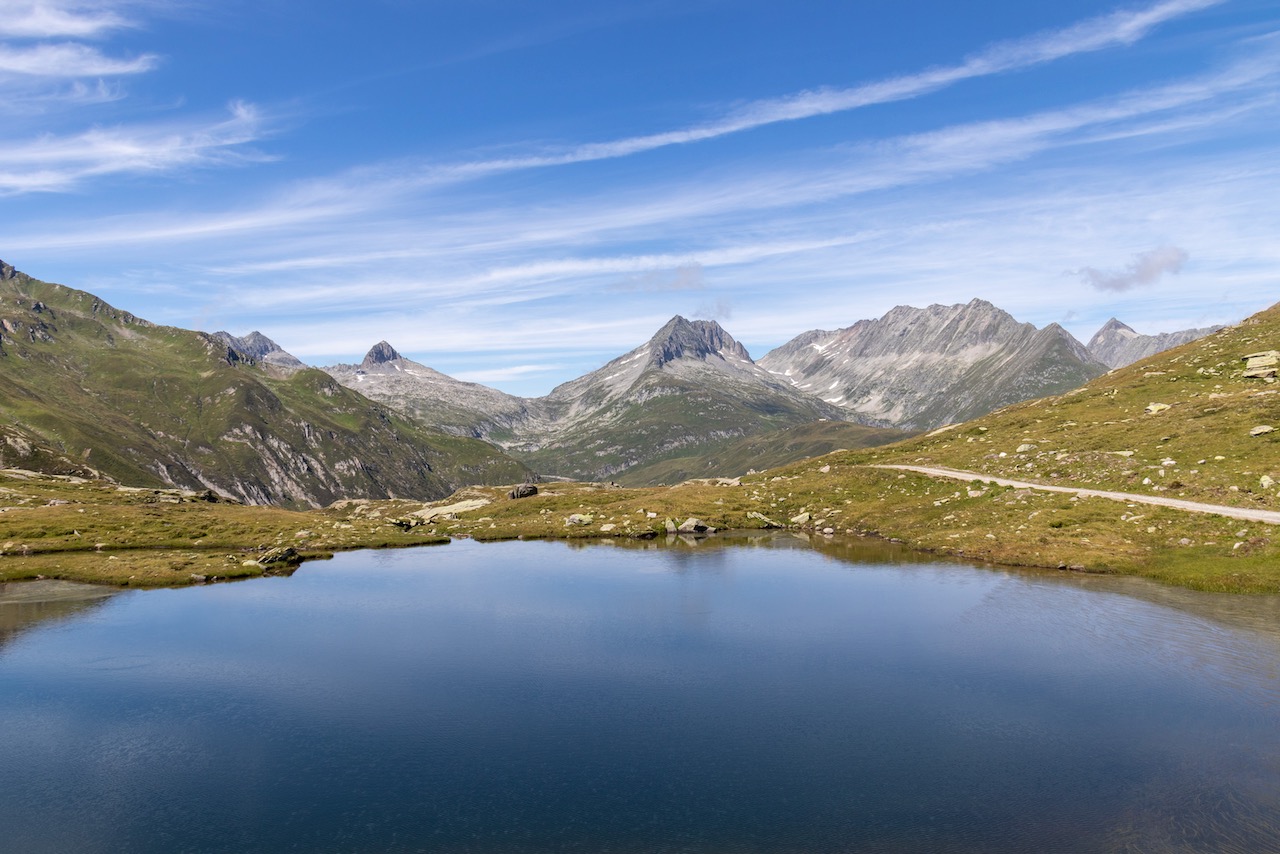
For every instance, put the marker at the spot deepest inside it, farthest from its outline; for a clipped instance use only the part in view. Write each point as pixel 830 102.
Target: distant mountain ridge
pixel 1117 344
pixel 692 390
pixel 921 368
pixel 690 386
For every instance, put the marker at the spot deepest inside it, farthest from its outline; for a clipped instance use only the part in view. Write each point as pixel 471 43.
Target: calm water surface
pixel 543 697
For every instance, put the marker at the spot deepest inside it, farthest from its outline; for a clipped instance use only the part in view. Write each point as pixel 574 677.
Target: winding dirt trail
pixel 1271 517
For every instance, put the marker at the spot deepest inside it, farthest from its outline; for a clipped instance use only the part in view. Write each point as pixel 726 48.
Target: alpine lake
pixel 732 693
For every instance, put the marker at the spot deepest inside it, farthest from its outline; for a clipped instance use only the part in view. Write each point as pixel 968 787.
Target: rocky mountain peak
pixel 1111 330
pixel 379 354
pixel 255 345
pixel 1118 344
pixel 7 271
pixel 694 339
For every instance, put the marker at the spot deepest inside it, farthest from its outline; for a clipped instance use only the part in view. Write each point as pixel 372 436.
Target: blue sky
pixel 515 192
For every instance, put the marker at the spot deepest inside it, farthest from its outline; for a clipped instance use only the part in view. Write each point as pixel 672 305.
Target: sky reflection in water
pixel 547 697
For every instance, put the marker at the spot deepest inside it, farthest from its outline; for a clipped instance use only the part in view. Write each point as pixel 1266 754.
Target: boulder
pixel 694 526
pixel 1156 408
pixel 579 519
pixel 524 490
pixel 1262 430
pixel 768 523
pixel 802 519
pixel 1261 366
pixel 279 554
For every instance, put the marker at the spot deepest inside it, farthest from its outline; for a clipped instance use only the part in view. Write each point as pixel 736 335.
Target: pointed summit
pixel 1118 344
pixel 380 353
pixel 694 339
pixel 1112 334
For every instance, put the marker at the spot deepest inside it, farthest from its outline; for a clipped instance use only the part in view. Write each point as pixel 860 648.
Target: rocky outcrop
pixel 258 348
pixel 1261 366
pixel 1117 344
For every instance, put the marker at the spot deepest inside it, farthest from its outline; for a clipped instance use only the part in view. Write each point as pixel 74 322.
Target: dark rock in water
pixel 524 490
pixel 279 554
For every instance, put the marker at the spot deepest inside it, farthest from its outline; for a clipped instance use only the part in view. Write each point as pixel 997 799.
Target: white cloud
pixel 1146 268
pixel 59 163
pixel 69 60
pixel 507 373
pixel 59 18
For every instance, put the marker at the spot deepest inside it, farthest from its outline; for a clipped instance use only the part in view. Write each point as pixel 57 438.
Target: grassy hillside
pixel 663 418
pixel 762 451
pixel 160 406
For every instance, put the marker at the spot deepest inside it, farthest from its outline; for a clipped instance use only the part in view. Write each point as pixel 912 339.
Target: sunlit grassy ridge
pixel 85 386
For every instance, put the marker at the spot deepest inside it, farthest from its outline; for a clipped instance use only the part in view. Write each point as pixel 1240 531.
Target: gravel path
pixel 1271 517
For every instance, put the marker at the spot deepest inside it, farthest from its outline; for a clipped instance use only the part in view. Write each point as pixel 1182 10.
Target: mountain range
pixel 85 386
pixel 684 403
pixel 88 388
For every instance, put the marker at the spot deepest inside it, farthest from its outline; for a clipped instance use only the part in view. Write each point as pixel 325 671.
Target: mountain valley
pixel 121 439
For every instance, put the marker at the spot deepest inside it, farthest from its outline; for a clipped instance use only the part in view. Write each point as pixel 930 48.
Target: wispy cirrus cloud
pixel 352 202
pixel 69 60
pixel 49 164
pixel 39 19
pixel 1113 30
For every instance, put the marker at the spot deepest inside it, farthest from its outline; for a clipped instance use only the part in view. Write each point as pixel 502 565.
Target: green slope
pixel 156 405
pixel 763 451
pixel 662 418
